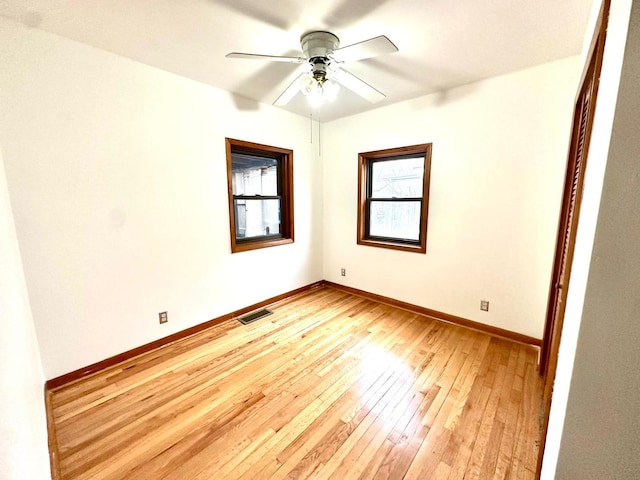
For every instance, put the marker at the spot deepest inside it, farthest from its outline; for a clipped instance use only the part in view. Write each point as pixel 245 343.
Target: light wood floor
pixel 330 386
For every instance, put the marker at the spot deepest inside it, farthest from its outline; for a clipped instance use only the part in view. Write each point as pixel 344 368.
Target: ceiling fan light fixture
pixel 318 90
pixel 315 97
pixel 330 90
pixel 307 84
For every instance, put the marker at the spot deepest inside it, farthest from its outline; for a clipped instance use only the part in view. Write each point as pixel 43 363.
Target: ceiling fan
pixel 323 67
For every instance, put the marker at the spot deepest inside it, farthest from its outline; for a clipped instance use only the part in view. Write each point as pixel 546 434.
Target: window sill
pixel 246 246
pixel 394 246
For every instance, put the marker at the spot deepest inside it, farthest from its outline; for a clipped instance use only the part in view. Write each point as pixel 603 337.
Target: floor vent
pixel 252 317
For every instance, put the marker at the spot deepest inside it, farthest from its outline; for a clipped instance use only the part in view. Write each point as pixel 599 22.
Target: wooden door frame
pixel 553 329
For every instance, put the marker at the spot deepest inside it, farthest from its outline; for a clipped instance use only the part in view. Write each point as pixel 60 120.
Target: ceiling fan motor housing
pixel 318 44
pixel 316 47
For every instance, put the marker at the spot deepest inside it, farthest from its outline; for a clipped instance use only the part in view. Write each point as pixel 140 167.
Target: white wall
pixel 594 175
pixel 23 424
pixel 499 154
pixel 117 176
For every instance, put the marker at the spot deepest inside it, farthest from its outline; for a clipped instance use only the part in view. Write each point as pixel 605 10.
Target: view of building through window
pixel 253 178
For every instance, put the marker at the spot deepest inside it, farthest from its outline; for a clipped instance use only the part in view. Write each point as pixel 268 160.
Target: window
pixel 260 180
pixel 393 198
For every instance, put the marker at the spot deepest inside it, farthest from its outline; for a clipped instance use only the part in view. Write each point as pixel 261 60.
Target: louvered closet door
pixel 567 228
pixel 569 217
pixel 571 222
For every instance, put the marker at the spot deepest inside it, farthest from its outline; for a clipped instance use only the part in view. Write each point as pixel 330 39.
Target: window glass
pixel 398 220
pixel 401 178
pixel 256 218
pixel 254 175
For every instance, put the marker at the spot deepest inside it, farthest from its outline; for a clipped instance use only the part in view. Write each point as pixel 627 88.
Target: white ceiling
pixel 442 43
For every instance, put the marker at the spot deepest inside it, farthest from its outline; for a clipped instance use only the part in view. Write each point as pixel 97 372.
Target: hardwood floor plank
pixel 331 385
pixel 390 410
pixel 464 440
pixel 434 445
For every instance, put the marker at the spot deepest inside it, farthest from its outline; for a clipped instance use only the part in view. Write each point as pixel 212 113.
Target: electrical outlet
pixel 343 272
pixel 163 317
pixel 484 305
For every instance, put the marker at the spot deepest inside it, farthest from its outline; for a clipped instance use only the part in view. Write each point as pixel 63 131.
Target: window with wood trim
pixel 260 183
pixel 393 198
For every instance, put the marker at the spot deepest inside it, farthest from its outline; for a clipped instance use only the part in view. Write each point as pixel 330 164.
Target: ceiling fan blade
pixel 290 92
pixel 358 86
pixel 366 49
pixel 272 58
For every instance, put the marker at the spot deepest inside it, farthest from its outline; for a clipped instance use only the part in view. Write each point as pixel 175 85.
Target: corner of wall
pixel 23 443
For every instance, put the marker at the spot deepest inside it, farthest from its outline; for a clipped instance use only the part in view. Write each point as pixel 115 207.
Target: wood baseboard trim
pixel 495 331
pixel 67 378
pixel 52 436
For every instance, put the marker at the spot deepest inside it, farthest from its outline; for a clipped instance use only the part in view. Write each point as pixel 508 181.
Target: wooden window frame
pixel 285 180
pixel 365 160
